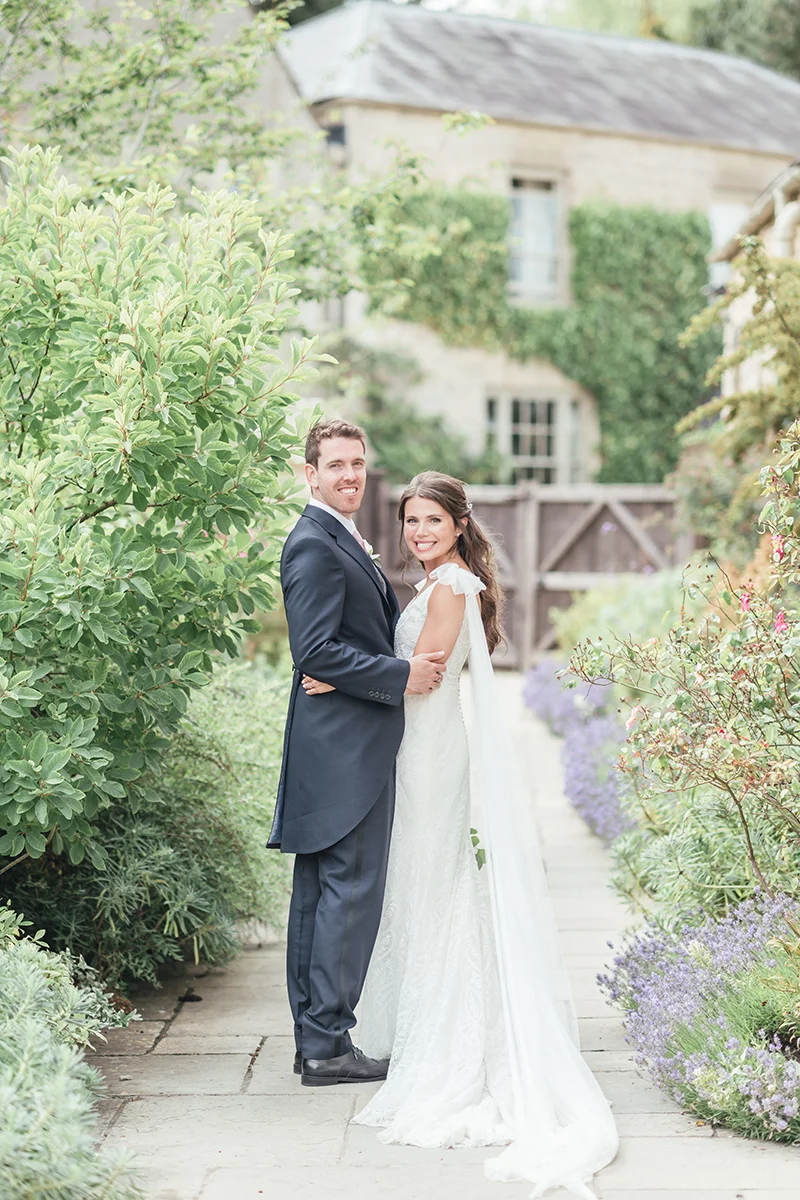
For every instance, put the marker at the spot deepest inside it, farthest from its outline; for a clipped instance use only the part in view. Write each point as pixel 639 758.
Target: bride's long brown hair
pixel 473 545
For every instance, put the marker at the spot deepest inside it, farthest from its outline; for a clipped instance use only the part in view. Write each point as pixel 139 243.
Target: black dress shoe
pixel 298 1063
pixel 353 1067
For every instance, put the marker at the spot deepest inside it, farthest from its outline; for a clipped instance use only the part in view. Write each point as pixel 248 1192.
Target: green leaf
pixel 76 853
pixel 143 587
pixel 37 747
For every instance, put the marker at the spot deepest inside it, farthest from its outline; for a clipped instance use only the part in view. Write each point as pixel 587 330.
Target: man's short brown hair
pixel 330 429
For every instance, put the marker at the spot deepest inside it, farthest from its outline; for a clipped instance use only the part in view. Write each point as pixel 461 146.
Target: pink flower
pixel 778 547
pixel 745 601
pixel 781 624
pixel 632 718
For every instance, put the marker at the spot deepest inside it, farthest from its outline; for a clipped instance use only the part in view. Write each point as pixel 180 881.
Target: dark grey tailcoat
pixel 336 795
pixel 339 748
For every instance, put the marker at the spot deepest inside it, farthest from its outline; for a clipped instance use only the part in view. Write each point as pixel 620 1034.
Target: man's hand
pixel 425 674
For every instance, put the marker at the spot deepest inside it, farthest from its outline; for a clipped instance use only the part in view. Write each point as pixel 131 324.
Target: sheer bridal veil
pixel 563 1128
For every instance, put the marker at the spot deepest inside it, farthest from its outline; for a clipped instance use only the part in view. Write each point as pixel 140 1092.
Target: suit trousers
pixel 334 916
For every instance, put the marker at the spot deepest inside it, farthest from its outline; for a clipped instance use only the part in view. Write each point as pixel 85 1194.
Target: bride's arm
pixel 442 622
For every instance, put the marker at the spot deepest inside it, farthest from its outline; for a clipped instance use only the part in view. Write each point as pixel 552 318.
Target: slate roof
pixel 387 53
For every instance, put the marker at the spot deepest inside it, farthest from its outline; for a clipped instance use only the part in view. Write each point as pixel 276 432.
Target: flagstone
pixel 189 1075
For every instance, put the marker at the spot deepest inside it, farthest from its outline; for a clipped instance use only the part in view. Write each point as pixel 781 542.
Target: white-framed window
pixel 725 219
pixel 540 436
pixel 535 240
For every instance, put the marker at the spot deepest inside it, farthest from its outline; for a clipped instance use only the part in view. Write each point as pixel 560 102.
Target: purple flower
pixel 592 740
pixel 701 1016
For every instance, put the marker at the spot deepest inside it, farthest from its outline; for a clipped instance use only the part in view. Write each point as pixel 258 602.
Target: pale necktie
pixel 365 548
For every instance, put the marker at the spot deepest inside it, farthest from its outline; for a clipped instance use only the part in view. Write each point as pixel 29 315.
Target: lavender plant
pixel 592 737
pixel 712 1013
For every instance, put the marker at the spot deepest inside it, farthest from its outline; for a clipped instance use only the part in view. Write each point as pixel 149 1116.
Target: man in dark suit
pixel 336 795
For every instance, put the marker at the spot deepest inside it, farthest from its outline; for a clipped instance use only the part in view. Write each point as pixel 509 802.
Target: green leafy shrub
pixel 727 440
pixel 143 472
pixel 173 93
pixel 184 870
pixel 47 1126
pixel 637 279
pixel 718 495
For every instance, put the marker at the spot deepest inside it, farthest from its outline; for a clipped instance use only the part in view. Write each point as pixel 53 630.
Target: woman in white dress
pixel 466 992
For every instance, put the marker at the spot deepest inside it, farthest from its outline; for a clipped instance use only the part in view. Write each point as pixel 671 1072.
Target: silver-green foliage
pixel 687 853
pixel 634 606
pixel 143 473
pixel 47 1126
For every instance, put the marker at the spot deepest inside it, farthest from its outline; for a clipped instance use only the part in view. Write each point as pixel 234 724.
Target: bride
pixel 466 992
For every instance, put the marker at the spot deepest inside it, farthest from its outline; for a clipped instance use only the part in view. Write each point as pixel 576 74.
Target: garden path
pixel 203 1093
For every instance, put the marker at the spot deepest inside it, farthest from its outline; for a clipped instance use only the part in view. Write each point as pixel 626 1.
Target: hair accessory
pixel 469 506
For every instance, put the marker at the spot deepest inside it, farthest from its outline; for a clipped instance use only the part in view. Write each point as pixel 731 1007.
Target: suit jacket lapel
pixel 350 546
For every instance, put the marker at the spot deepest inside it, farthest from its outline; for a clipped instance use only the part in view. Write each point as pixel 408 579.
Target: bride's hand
pixel 313 687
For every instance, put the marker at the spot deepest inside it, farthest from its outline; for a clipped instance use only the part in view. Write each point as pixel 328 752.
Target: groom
pixel 336 794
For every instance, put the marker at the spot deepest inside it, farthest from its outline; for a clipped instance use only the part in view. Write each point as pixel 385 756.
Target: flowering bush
pixel 712 1013
pixel 717 720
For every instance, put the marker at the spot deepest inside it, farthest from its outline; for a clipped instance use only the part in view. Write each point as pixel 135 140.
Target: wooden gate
pixel 551 540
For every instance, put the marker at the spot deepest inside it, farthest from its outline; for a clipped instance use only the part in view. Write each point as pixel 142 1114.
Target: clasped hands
pixel 425 676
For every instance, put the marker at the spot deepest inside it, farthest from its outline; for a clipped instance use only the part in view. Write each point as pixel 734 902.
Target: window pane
pixel 533 250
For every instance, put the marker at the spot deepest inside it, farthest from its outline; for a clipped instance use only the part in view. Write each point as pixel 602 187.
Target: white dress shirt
pixel 348 523
pixel 350 526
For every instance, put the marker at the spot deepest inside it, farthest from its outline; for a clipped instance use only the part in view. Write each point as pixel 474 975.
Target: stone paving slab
pixel 107 1112
pixel 682 1162
pixel 590 1006
pixel 157 1004
pixel 272 1071
pixel 138 1038
pixel 163 1075
pixel 434 1182
pixel 235 1131
pixel 191 1043
pixel 234 1008
pixel 602 1033
pixel 669 1125
pixel 694 1194
pixel 632 1093
pixel 610 1060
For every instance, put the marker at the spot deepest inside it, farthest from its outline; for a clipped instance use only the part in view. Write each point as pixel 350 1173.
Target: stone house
pixel 577 116
pixel 775 218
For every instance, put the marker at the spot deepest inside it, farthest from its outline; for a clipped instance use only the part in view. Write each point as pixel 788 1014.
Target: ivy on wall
pixel 637 279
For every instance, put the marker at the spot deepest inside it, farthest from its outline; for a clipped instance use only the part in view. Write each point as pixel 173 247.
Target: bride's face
pixel 430 532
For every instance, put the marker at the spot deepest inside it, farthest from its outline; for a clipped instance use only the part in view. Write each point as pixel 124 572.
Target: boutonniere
pixel 376 558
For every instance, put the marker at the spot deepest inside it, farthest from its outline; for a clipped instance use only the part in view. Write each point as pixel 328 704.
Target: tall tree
pixel 767 31
pixel 169 93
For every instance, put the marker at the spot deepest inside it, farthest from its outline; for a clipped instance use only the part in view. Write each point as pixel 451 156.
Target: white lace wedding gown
pixel 465 990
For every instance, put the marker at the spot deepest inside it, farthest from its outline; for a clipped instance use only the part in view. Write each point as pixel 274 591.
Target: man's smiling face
pixel 340 475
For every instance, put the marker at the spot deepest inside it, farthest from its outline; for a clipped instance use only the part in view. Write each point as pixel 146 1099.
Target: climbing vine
pixel 637 279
